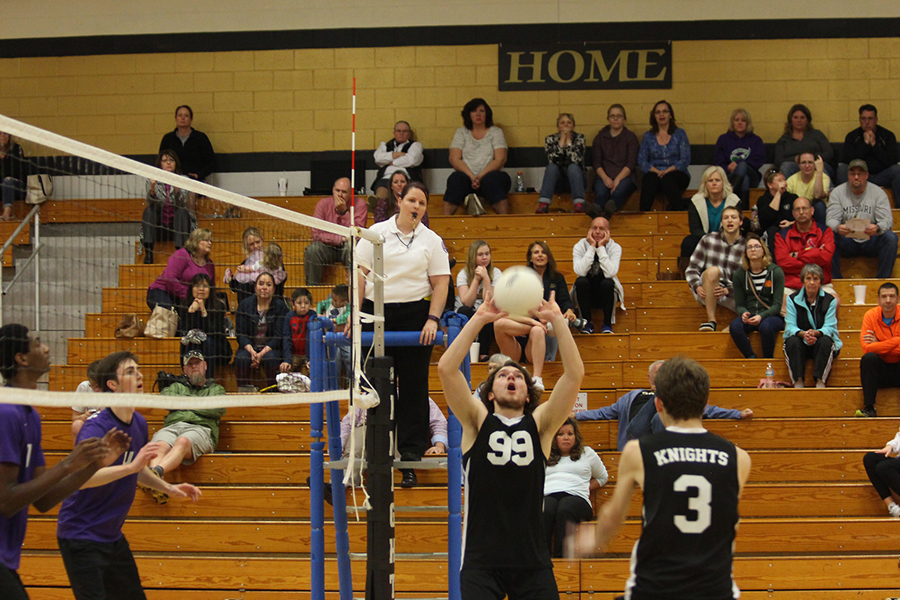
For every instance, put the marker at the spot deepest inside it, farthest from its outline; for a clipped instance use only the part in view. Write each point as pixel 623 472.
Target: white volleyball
pixel 519 291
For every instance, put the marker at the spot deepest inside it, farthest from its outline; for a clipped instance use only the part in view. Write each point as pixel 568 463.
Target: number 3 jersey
pixel 504 489
pixel 690 512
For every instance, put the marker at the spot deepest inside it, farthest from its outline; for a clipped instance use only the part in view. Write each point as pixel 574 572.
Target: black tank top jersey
pixel 690 511
pixel 504 488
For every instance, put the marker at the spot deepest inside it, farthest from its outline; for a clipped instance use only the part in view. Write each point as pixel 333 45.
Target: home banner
pixel 585 66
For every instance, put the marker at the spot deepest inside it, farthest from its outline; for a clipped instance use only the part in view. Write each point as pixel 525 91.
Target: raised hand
pixel 118 442
pixel 185 490
pixel 86 452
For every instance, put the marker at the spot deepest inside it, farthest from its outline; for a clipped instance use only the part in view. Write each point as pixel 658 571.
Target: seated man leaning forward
pixel 860 216
pixel 187 434
pixel 327 248
pixel 713 263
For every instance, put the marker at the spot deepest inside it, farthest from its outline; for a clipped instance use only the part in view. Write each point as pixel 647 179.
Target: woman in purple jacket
pixel 170 288
pixel 741 153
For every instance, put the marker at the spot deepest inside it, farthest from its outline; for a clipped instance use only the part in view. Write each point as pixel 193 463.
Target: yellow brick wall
pixel 287 100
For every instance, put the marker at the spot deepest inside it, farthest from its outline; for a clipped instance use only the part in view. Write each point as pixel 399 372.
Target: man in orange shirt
pixel 880 339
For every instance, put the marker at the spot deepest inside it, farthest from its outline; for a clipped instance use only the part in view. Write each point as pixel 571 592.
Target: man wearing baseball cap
pixel 860 216
pixel 187 434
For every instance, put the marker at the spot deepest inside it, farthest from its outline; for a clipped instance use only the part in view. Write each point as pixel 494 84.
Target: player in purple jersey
pixel 24 478
pixel 96 554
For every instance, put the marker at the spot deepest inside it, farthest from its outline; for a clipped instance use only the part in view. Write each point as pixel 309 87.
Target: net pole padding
pixel 21 396
pixel 380 457
pixel 316 470
pixel 339 499
pixel 391 338
pixel 127 165
pixel 454 323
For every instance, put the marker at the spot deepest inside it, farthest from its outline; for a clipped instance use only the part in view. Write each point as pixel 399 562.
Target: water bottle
pixel 754 219
pixel 520 183
pixel 770 376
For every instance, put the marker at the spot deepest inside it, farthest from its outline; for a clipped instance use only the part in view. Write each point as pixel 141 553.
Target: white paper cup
pixel 859 292
pixel 282 186
pixel 474 349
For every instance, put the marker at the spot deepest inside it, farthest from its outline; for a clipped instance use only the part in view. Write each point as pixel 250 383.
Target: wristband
pixel 435 319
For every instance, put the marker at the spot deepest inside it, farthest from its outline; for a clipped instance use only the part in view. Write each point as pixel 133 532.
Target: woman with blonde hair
pixel 170 288
pixel 706 206
pixel 758 296
pixel 473 284
pixel 741 153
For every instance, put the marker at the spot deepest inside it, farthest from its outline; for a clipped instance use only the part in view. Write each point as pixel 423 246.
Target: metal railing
pixel 36 247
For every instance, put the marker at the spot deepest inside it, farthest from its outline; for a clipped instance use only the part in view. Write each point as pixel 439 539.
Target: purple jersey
pixel 20 445
pixel 97 514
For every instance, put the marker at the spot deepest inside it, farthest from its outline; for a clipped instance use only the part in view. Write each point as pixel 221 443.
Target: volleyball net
pixel 104 254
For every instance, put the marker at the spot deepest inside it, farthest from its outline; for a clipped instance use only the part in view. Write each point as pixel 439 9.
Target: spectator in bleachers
pixel 295 332
pixel 712 266
pixel 166 217
pixel 517 335
pixel 811 182
pixel 774 208
pixel 614 154
pixel 90 386
pixel 473 283
pixel 170 289
pixel 260 257
pixel 259 331
pixel 860 216
pixel 800 136
pixel 803 243
pixel 811 329
pixel 400 155
pixel 741 153
pixel 565 156
pixel 385 208
pixel 201 323
pixel 478 153
pixel 706 206
pixel 187 435
pixel 877 146
pixel 596 259
pixel 884 473
pixel 193 148
pixel 337 308
pixel 664 158
pixel 327 248
pixel 880 340
pixel 12 174
pixel 573 471
pixel 758 296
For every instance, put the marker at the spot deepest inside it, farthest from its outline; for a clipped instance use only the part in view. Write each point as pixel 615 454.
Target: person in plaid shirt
pixel 713 264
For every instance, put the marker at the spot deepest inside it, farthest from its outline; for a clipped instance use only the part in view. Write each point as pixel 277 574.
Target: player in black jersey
pixel 692 481
pixel 505 443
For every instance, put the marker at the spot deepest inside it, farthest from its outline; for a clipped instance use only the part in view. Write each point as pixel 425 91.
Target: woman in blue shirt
pixel 664 158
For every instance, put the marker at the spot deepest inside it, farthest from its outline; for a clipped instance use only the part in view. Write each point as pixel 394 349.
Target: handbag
pixel 131 326
pixel 163 323
pixel 39 189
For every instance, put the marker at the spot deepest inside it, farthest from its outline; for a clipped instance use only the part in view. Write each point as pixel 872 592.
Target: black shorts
pixel 517 584
pixel 11 587
pixel 99 571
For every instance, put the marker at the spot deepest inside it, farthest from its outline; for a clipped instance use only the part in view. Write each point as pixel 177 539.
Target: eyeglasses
pixel 754 247
pixel 401 131
pixel 664 111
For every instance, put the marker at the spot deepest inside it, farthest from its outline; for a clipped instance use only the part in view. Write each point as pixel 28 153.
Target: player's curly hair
pixel 534 396
pixel 577 447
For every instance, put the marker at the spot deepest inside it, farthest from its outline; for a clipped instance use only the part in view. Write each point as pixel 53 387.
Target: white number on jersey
pixel 504 448
pixel 699 503
pixel 28 456
pixel 128 457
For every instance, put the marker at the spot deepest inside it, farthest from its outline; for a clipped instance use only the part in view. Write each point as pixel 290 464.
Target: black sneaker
pixel 866 411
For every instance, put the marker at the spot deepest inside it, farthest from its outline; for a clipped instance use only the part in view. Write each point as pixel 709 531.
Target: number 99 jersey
pixel 690 511
pixel 504 487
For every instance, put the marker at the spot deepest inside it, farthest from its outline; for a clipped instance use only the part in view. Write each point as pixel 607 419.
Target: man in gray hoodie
pixel 873 236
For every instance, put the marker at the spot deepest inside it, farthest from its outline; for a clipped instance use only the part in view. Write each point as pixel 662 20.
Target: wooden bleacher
pixel 812 525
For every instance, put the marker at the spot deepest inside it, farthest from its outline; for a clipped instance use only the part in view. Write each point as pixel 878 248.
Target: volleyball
pixel 519 291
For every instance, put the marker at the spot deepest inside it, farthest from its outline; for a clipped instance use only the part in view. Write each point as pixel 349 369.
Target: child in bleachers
pixel 335 308
pixel 89 386
pixel 259 260
pixel 295 332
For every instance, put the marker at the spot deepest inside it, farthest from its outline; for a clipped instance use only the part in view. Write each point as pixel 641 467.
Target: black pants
pixel 875 374
pixel 596 291
pixel 411 367
pixel 269 363
pixel 883 472
pixel 559 510
pixel 485 336
pixel 11 587
pixel 797 353
pixel 689 244
pixel 515 584
pixel 157 297
pixel 672 185
pixel 153 230
pixel 494 187
pixel 99 571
